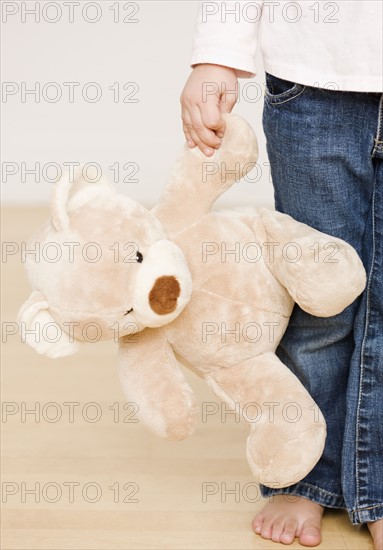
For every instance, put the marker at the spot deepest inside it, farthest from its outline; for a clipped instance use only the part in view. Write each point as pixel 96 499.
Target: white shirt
pixel 337 45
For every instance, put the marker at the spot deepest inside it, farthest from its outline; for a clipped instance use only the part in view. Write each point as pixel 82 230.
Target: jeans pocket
pixel 279 90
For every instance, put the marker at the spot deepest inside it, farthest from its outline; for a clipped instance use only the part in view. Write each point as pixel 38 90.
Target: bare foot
pixel 376 530
pixel 287 517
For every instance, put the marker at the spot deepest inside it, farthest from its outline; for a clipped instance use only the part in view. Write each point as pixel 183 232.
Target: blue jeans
pixel 326 154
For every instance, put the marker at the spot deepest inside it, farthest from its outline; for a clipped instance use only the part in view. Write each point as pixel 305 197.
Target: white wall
pixel 153 53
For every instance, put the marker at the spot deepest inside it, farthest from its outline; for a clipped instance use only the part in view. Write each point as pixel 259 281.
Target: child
pixel 323 121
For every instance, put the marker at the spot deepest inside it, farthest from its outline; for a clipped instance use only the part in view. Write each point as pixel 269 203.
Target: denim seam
pixel 377 141
pixel 308 487
pixel 362 353
pixel 364 515
pixel 324 492
pixel 271 102
pixel 363 509
pixel 380 120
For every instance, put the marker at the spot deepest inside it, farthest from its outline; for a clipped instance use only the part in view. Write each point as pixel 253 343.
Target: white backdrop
pixel 78 56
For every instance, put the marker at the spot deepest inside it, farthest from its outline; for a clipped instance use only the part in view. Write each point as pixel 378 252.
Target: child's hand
pixel 209 91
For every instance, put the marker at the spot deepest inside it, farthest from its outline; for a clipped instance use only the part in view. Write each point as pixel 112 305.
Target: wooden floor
pixel 100 480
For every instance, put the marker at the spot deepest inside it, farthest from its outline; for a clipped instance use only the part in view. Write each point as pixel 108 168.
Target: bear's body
pixel 242 313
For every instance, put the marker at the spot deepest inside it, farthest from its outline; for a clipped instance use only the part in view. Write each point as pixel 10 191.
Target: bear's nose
pixel 164 294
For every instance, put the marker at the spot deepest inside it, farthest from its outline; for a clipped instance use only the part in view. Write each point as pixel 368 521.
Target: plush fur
pixel 166 283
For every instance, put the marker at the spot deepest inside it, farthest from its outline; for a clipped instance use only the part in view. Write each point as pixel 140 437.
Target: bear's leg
pixel 287 429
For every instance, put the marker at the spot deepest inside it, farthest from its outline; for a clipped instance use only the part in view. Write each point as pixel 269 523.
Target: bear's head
pixel 101 268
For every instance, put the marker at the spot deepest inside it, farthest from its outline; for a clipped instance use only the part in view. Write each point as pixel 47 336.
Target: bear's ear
pixel 73 183
pixel 41 332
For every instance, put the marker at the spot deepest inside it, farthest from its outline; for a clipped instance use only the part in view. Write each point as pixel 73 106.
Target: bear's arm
pixel 197 181
pixel 323 274
pixel 153 381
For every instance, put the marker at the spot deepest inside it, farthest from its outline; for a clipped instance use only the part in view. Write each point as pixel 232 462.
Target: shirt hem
pixel 243 66
pixel 344 83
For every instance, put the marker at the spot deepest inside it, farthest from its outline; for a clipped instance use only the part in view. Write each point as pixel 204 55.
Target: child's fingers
pixel 189 131
pixel 213 120
pixel 227 102
pixel 187 127
pixel 188 138
pixel 206 150
pixel 207 140
pixel 192 132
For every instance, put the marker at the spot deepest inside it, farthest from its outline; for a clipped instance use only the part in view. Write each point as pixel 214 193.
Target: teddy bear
pixel 183 283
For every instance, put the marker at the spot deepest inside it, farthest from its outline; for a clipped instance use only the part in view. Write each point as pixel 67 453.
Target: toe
pixel 277 529
pixel 289 531
pixel 376 530
pixel 266 529
pixel 310 534
pixel 257 523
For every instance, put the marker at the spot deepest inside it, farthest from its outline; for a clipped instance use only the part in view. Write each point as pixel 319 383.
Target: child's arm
pixel 225 42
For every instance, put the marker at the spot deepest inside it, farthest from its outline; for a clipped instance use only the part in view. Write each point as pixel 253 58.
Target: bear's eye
pixel 139 257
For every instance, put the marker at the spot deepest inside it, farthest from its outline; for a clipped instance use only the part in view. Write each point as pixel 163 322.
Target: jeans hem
pixel 312 492
pixel 366 514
